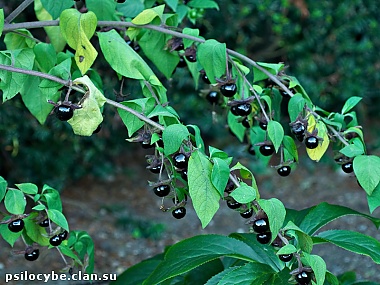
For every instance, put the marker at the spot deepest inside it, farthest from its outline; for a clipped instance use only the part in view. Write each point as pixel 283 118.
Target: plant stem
pixel 18 11
pixel 338 135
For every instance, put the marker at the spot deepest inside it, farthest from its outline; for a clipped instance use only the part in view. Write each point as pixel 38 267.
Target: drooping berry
pixel 228 89
pixel 182 62
pixel 298 130
pixel 285 257
pixel 245 123
pixel 251 150
pixel 63 235
pixel 16 225
pixel 184 175
pixel 234 110
pixel 261 225
pixel 162 190
pixel 179 213
pixel 348 167
pixel 44 223
pixel 55 240
pixel 232 204
pixel 205 78
pixel 247 214
pixel 213 97
pixel 267 149
pixel 263 126
pixel 180 160
pixel 191 58
pixel 284 170
pixel 303 278
pixel 264 238
pixel 32 256
pixel 120 1
pixel 64 112
pixel 244 109
pixel 156 169
pixel 146 145
pixel 311 142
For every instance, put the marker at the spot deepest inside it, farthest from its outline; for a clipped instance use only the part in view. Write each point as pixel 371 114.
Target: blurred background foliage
pixel 332 47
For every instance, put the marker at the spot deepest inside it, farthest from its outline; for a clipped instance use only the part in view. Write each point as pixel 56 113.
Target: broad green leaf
pixel 198 138
pixel 304 241
pixel 331 279
pixel 22 39
pixel 287 249
pixel 55 8
pixel 46 56
pixel 148 15
pixel 15 202
pixel 172 4
pixel 28 188
pixel 317 153
pixel 54 33
pixel 276 213
pixel 354 149
pixel 275 133
pixel 34 231
pixel 122 58
pixel 367 171
pixel 52 198
pixel 39 207
pixel 353 241
pixel 280 278
pixel 8 236
pixel 267 100
pixel 212 56
pixel 318 266
pixel 160 110
pixel 244 194
pixel 77 29
pixel 202 273
pixel 3 188
pixel 290 146
pixel 192 32
pixel 1 21
pixel 58 218
pixel 130 8
pixel 324 213
pixel 219 277
pixel 204 195
pixel 355 130
pixel 220 174
pixel 374 199
pixel 203 4
pixel 273 68
pixel 295 106
pixel 214 152
pixel 235 126
pixel 196 251
pixel 245 173
pixel 104 10
pixel 173 136
pixel 350 103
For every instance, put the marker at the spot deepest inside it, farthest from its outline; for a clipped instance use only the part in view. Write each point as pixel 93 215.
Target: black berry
pixel 244 109
pixel 213 97
pixel 261 225
pixel 264 238
pixel 247 214
pixel 232 204
pixel 55 240
pixel 245 123
pixel 285 257
pixel 179 213
pixel 205 79
pixel 251 150
pixel 97 130
pixel 162 190
pixel 182 62
pixel 184 175
pixel 32 256
pixel 146 145
pixel 311 142
pixel 63 235
pixel 228 89
pixel 303 278
pixel 16 225
pixel 179 47
pixel 284 170
pixel 180 160
pixel 64 112
pixel 156 169
pixel 348 167
pixel 120 1
pixel 266 149
pixel 263 126
pixel 191 58
pixel 298 130
pixel 44 223
pixel 234 110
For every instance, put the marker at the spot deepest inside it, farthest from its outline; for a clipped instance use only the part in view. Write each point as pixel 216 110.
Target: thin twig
pixel 18 11
pixel 147 84
pixel 338 135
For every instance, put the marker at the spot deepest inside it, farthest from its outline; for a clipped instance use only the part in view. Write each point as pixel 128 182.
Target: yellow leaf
pixel 317 153
pixel 311 122
pixel 145 17
pixel 85 55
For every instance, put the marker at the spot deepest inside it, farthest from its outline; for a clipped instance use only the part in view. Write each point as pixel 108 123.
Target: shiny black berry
pixel 182 62
pixel 64 112
pixel 228 89
pixel 120 1
pixel 263 126
pixel 180 160
pixel 44 223
pixel 16 225
pixel 156 169
pixel 146 145
pixel 285 257
pixel 63 235
pixel 264 238
pixel 244 109
pixel 191 58
pixel 234 110
pixel 261 225
pixel 251 150
pixel 247 214
pixel 162 190
pixel 245 123
pixel 348 167
pixel 179 47
pixel 97 130
pixel 213 97
pixel 298 130
pixel 303 278
pixel 205 79
pixel 55 240
pixel 232 204
pixel 311 142
pixel 179 213
pixel 284 170
pixel 32 256
pixel 266 149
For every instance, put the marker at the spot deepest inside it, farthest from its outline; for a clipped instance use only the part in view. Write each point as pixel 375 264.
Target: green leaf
pixel 173 136
pixel 203 4
pixel 1 21
pixel 204 195
pixel 353 241
pixel 245 173
pixel 287 249
pixel 295 106
pixel 354 149
pixel 8 236
pixel 235 126
pixel 350 103
pixel 191 32
pixel 15 202
pixel 214 152
pixel 198 138
pixel 19 40
pixel 148 15
pixel 267 100
pixel 202 273
pixel 290 146
pixel 324 213
pixel 104 10
pixel 273 68
pixel 220 174
pixel 244 194
pixel 28 188
pixel 39 207
pixel 318 266
pixel 173 4
pixel 276 213
pixel 122 58
pixel 3 188
pixel 331 279
pixel 34 231
pixel 367 171
pixel 46 56
pixel 212 56
pixel 58 218
pixel 304 241
pixel 196 251
pixel 55 8
pixel 130 8
pixel 275 133
pixel 77 29
pixel 52 198
pixel 374 199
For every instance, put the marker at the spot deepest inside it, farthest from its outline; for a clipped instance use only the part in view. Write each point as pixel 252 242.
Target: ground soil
pixel 122 215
